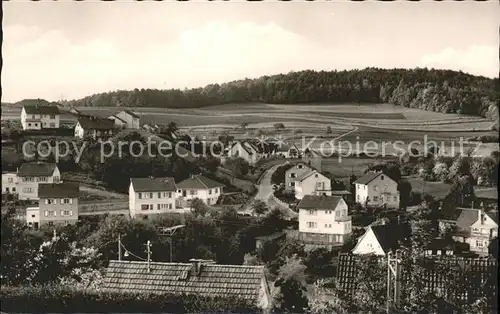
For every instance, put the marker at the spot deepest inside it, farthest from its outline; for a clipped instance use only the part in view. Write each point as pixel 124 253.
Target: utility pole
pixel 119 247
pixel 169 233
pixel 393 281
pixel 148 248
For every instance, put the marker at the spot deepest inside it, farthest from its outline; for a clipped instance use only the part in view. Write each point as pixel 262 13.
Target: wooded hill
pixel 433 90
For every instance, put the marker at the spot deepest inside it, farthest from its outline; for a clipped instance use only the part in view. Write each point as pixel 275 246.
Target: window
pixel 358 197
pixel 32 116
pixel 210 192
pixel 381 177
pixel 145 207
pixel 299 166
pixel 375 188
pixel 311 212
pixel 311 224
pixel 375 198
pixel 337 214
pixel 52 116
pixel 479 243
pixel 52 125
pixel 13 189
pixel 32 216
pixel 66 213
pixel 51 223
pixel 169 194
pixel 10 180
pixel 159 194
pixel 27 190
pixel 292 183
pixel 328 212
pixel 150 195
pixel 316 175
pixel 7 190
pixel 139 195
pixel 192 192
pixel 395 198
pixel 292 175
pixel 169 206
pixel 158 206
pixel 67 201
pixel 50 213
pixel 217 190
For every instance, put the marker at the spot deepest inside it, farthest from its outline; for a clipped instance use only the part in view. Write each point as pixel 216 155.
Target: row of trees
pixel 434 90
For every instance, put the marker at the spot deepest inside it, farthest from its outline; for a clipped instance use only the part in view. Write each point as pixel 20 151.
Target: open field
pixel 371 122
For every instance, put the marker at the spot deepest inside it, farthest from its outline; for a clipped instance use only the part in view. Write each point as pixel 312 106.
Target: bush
pixel 38 299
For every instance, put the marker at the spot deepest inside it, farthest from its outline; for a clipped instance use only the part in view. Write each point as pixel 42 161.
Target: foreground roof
pixel 183 278
pixel 58 190
pixel 39 109
pixel 319 202
pixel 36 169
pixel 199 182
pixel 389 235
pixel 153 184
pixel 95 123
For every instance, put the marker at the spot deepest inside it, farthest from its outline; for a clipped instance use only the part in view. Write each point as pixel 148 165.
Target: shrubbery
pixel 46 299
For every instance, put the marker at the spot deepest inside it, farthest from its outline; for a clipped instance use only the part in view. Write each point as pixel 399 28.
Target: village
pixel 320 216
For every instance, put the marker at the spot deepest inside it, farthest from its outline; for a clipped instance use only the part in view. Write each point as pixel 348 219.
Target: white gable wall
pixel 368 244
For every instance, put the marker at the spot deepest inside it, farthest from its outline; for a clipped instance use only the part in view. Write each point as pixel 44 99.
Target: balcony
pixel 343 219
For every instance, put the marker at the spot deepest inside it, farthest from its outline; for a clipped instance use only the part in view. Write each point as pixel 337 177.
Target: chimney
pixel 198 265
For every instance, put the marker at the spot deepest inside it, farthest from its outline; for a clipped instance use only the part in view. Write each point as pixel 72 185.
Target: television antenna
pixel 169 233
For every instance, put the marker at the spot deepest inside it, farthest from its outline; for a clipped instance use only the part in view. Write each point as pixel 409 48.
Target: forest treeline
pixel 433 90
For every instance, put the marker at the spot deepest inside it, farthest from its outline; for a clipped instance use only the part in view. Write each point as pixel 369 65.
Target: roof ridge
pixel 201 181
pixel 188 264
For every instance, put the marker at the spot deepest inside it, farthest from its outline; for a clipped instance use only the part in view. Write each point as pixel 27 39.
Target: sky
pixel 67 50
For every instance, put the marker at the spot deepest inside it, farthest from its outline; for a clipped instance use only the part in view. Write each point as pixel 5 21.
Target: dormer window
pixel 299 166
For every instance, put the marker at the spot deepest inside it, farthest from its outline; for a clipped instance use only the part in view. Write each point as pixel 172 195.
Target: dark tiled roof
pixel 466 218
pixel 389 235
pixel 130 113
pixel 306 175
pixel 199 182
pixel 340 192
pixel 493 215
pixel 367 178
pixel 117 117
pixel 153 184
pixel 490 193
pixel 181 278
pixel 38 109
pixel 34 169
pixel 95 123
pixel 319 202
pixel 58 190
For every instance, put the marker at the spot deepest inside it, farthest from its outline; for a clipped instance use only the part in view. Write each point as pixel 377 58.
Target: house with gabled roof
pixel 288 151
pixel 94 127
pixel 198 186
pixel 247 150
pixel 119 122
pixel 30 175
pixel 198 277
pixel 294 172
pixel 132 120
pixel 381 239
pixel 312 183
pixel 473 226
pixel 376 188
pixel 58 204
pixel 39 117
pixel 149 196
pixel 324 219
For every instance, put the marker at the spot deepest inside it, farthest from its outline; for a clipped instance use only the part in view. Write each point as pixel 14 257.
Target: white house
pixel 381 239
pixel 94 127
pixel 288 151
pixel 312 158
pixel 246 150
pixel 33 217
pixel 119 122
pixel 474 227
pixel 149 196
pixel 31 174
pixel 377 189
pixel 198 186
pixel 40 117
pixel 324 220
pixel 312 183
pixel 132 120
pixel 9 183
pixel 295 172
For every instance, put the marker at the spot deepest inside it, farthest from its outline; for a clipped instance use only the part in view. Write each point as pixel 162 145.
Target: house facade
pixel 295 172
pixel 94 127
pixel 377 189
pixel 198 186
pixel 312 183
pixel 324 219
pixel 132 120
pixel 40 117
pixel 245 150
pixel 119 122
pixel 9 183
pixel 312 158
pixel 30 175
pixel 475 227
pixel 58 203
pixel 381 239
pixel 198 277
pixel 149 196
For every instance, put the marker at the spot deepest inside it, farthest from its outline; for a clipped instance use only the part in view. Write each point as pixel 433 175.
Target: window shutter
pixel 71 213
pixel 62 212
pixel 55 201
pixel 46 203
pixel 71 201
pixel 46 213
pixel 55 213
